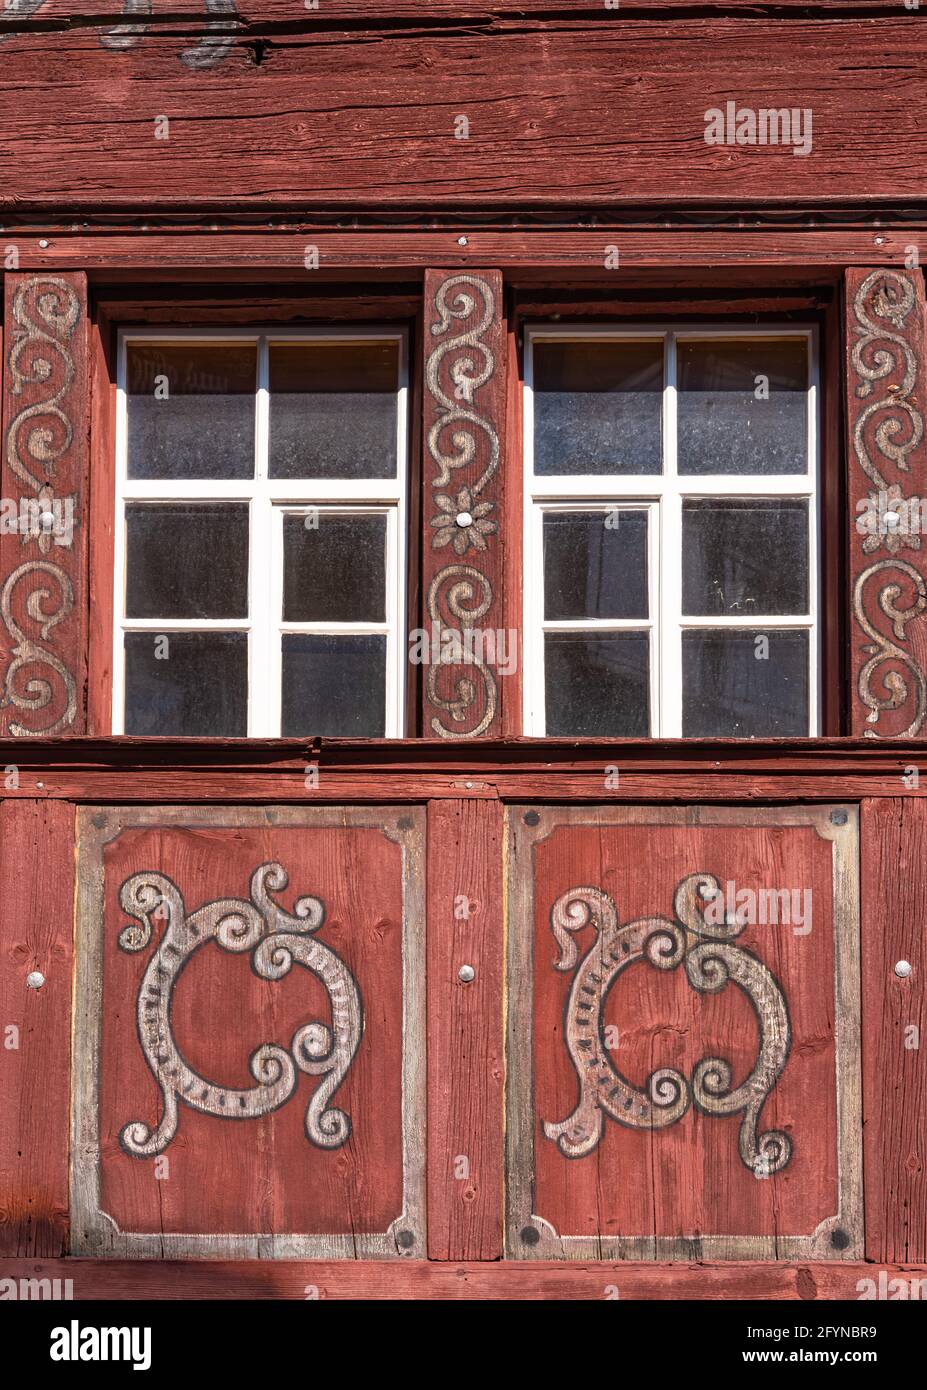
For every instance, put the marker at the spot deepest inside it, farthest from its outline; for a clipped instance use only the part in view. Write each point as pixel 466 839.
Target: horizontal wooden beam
pixel 419 1279
pixel 581 253
pixel 599 112
pixel 156 770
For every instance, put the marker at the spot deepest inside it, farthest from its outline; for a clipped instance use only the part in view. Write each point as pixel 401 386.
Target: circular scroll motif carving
pixel 711 962
pixel 276 939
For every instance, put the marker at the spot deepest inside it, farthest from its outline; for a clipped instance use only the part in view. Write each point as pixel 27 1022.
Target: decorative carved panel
pixel 887 502
pixel 43 540
pixel 249 1046
pixel 462 556
pixel 683 1044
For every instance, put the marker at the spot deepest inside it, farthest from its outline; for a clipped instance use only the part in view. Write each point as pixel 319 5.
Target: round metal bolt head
pixel 464 519
pixel 461 241
pixel 903 968
pixel 466 974
pixel 43 242
pixel 35 979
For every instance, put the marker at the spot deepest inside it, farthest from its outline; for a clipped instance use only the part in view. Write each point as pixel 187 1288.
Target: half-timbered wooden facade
pixel 463 648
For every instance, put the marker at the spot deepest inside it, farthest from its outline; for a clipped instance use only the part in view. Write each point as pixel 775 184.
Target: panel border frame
pixel 520 1131
pixel 93 1231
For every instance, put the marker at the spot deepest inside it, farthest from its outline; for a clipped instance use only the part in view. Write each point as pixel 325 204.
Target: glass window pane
pixel 187 684
pixel 333 686
pixel 333 409
pixel 595 564
pixel 597 683
pixel 744 558
pixel 334 568
pixel 187 560
pixel 191 410
pixel 736 686
pixel 742 406
pixel 598 407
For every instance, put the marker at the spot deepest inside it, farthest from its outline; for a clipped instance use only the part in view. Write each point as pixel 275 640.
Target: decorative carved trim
pixel 711 962
pixel 888 475
pixel 275 939
pixel 464 398
pixel 44 450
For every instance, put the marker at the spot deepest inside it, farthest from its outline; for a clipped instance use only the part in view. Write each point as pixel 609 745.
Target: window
pixel 260 533
pixel 671 507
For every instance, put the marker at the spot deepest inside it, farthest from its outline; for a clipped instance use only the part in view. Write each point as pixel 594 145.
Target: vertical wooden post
pixel 462 571
pixel 36 939
pixel 465 1030
pixel 43 539
pixel 894 1027
pixel 887 501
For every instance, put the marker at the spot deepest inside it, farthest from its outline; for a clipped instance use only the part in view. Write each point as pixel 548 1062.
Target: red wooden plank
pixel 421 1279
pixel 464 648
pixel 465 1035
pixel 715 257
pixel 561 115
pixel 887 458
pixel 894 886
pixel 43 599
pixel 264 14
pixel 36 927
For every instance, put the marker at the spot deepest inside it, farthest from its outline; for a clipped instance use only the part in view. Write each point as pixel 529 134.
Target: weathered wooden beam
pixel 507 1280
pixel 599 113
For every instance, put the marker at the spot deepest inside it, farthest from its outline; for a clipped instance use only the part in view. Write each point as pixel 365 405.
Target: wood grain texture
pixel 708 1185
pixel 561 115
pixel 806 1281
pixel 719 253
pixel 466 665
pixel 165 770
pixel 44 471
pixel 465 1031
pixel 347 1183
pixel 36 934
pixel 886 374
pixel 894 883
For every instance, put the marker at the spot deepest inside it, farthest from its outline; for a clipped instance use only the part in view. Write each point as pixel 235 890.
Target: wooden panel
pixel 465 1031
pixel 887 454
pixel 43 566
pixel 286 1167
pixel 561 115
pixel 509 1280
pixel 36 898
pixel 466 648
pixel 736 1110
pixel 894 878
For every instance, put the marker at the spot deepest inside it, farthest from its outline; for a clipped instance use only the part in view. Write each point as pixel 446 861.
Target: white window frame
pixel 269 500
pixel 662 495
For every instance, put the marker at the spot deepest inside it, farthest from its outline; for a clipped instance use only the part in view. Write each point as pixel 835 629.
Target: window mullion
pixel 263 713
pixel 669 561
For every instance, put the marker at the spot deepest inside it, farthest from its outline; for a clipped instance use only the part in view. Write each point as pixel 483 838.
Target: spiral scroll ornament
pixel 276 939
pixel 463 444
pixel 711 961
pixel 887 433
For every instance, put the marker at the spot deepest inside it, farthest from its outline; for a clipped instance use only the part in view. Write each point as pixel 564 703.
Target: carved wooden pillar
pixel 466 651
pixel 43 531
pixel 887 502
